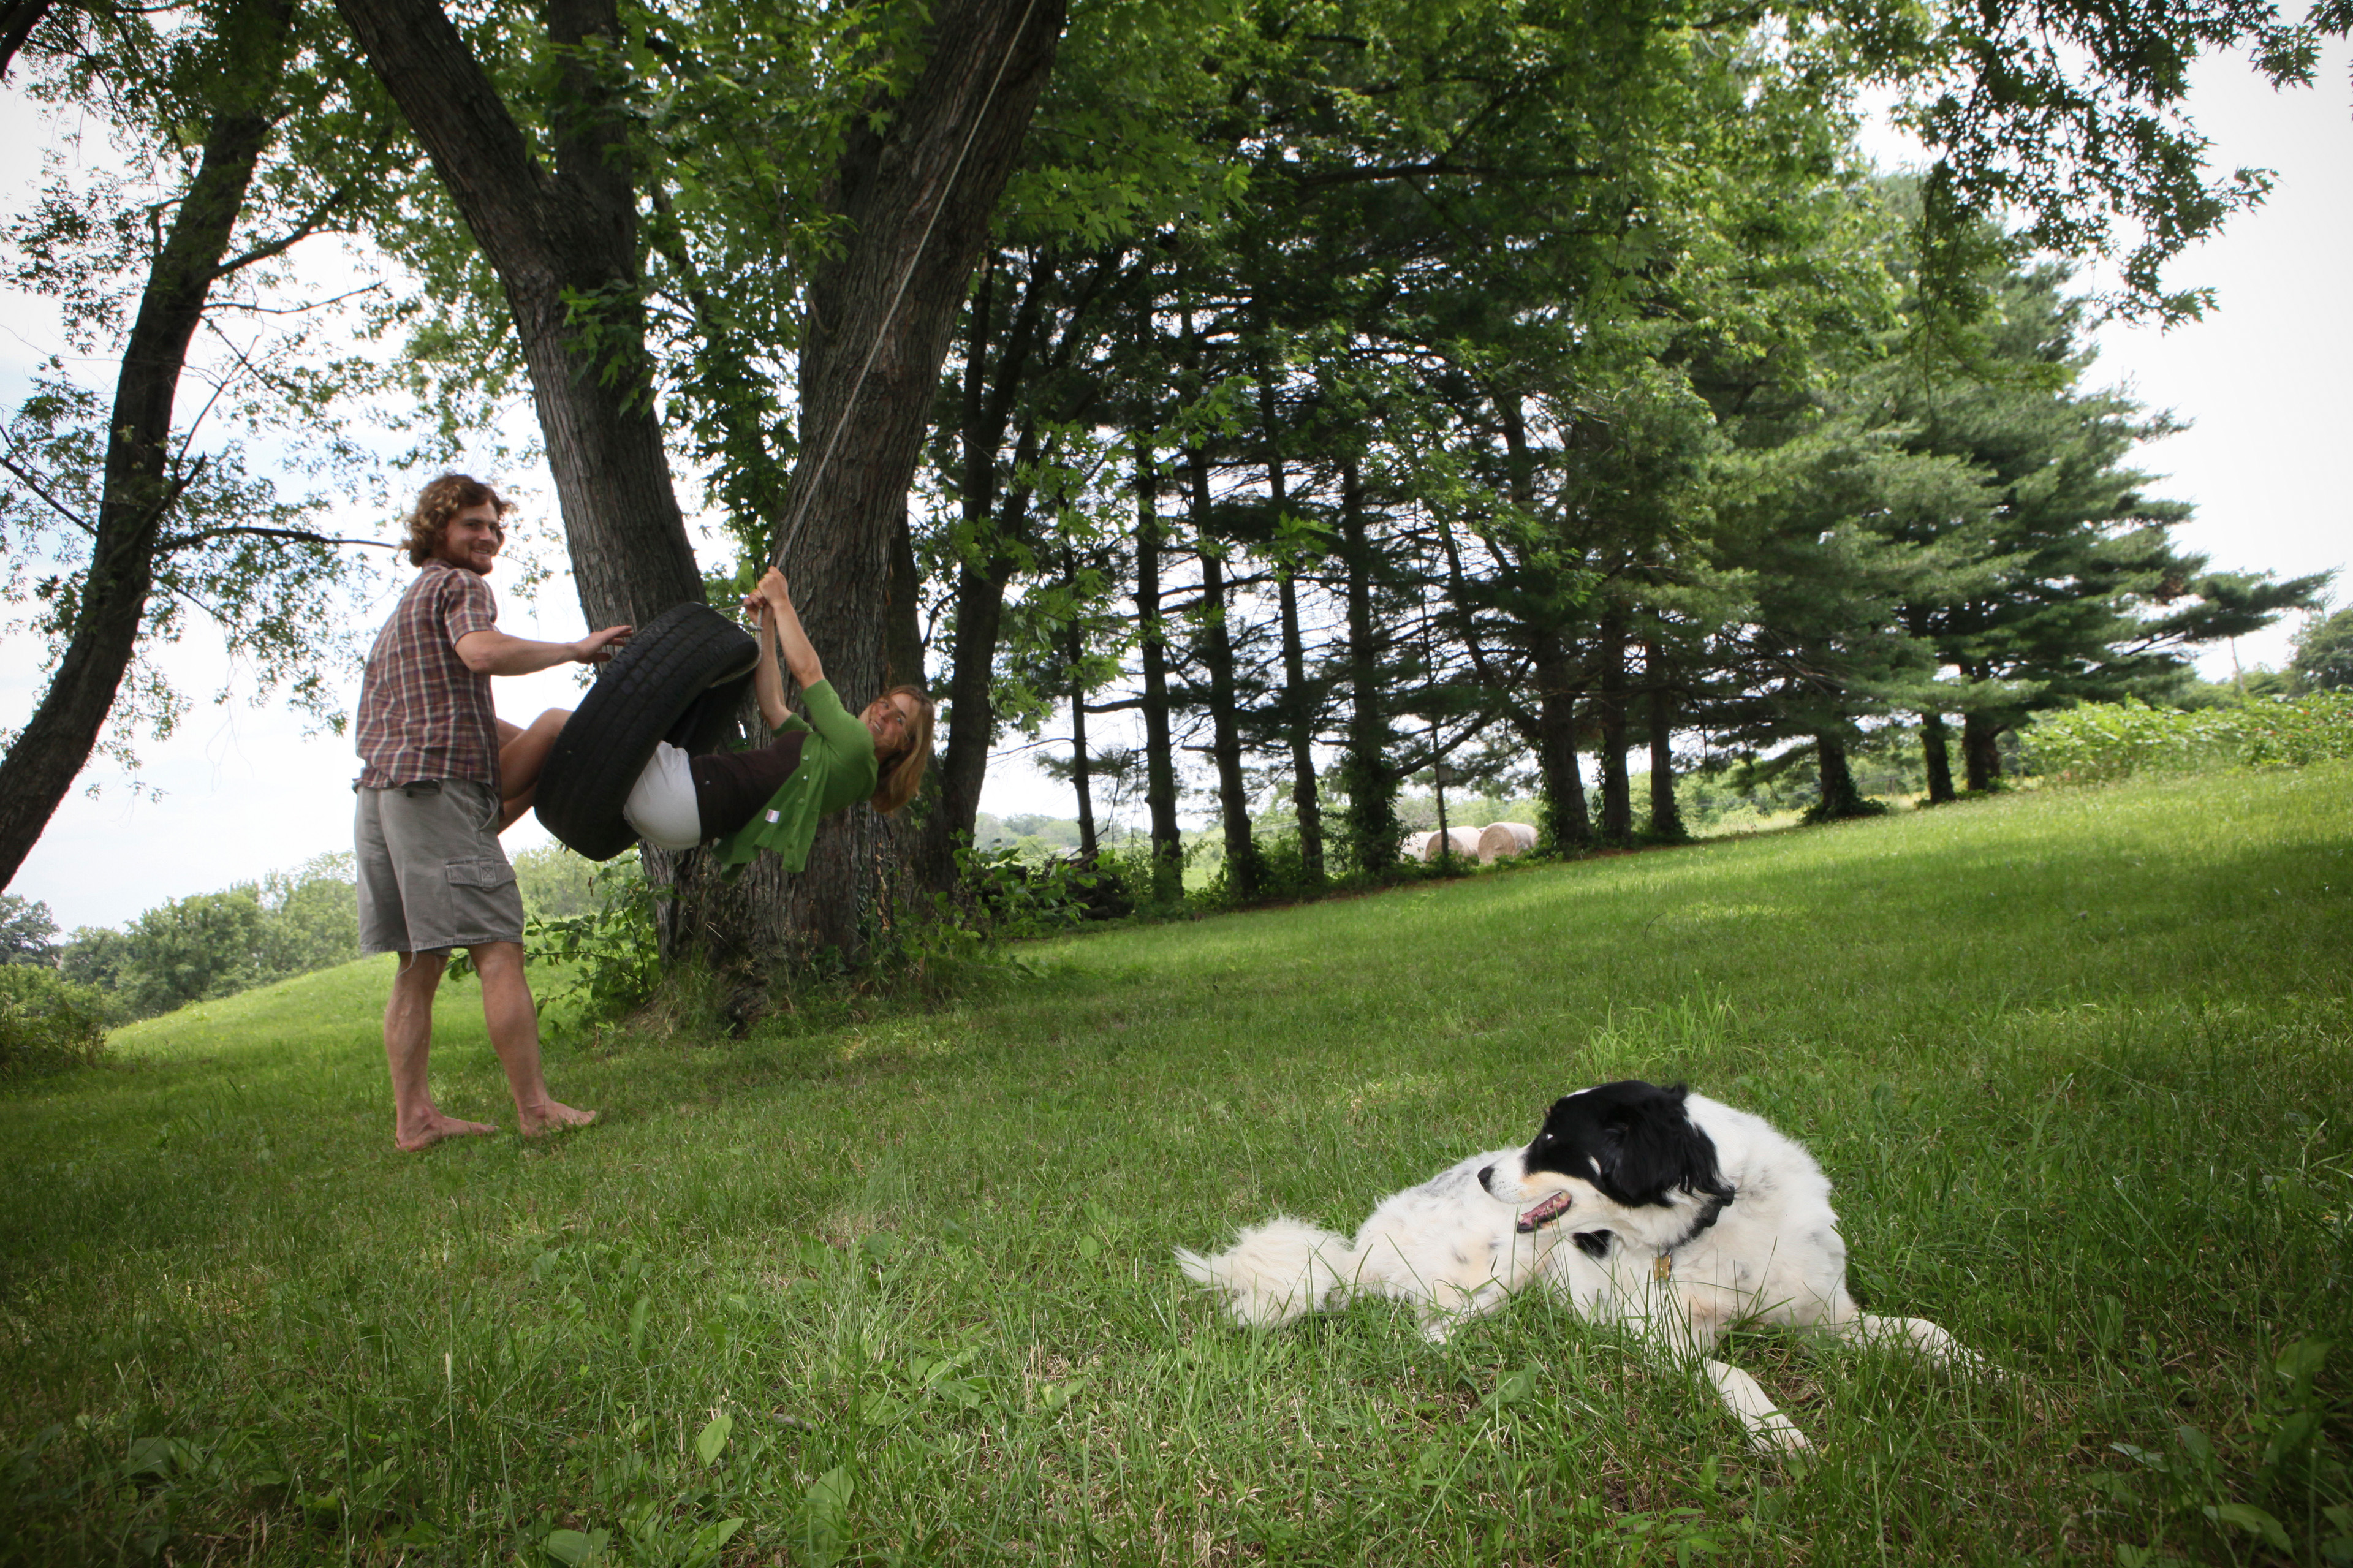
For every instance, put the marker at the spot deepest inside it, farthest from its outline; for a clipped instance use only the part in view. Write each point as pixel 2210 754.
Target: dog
pixel 1646 1206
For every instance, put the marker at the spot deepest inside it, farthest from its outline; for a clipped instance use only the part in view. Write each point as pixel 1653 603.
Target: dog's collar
pixel 1663 1267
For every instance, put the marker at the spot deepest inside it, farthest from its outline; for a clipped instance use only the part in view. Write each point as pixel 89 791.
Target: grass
pixel 900 1291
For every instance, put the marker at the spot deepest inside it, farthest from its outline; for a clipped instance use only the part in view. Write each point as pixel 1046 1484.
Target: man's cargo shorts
pixel 431 874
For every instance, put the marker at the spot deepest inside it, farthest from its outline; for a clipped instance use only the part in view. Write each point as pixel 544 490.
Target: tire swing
pixel 678 679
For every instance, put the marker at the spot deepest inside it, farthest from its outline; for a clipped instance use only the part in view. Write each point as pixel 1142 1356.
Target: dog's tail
pixel 1277 1271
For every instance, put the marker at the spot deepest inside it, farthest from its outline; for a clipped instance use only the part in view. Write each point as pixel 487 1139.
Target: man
pixel 431 874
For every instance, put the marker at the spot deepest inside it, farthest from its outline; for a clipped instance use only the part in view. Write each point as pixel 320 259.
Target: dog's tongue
pixel 1544 1212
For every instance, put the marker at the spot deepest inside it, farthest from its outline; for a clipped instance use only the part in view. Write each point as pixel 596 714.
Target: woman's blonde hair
pixel 442 499
pixel 904 774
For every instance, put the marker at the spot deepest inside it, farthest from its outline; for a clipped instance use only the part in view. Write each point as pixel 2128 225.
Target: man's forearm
pixel 493 652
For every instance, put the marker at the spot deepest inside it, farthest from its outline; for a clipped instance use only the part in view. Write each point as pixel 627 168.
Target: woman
pixel 769 797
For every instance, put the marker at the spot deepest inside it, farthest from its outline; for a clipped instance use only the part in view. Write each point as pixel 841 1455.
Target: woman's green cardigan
pixel 837 771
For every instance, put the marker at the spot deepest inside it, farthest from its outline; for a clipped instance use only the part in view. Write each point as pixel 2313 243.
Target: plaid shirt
pixel 423 714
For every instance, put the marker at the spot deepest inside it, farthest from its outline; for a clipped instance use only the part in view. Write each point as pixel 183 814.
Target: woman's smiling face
pixel 889 719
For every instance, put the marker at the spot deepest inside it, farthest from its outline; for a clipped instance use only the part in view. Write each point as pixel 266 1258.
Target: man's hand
pixel 773 588
pixel 597 647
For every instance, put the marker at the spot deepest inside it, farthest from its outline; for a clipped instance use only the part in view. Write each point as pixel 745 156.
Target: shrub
pixel 47 1022
pixel 611 949
pixel 2098 742
pixel 1016 898
pixel 1283 876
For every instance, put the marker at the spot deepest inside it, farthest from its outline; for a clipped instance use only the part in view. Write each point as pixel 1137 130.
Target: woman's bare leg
pixel 521 755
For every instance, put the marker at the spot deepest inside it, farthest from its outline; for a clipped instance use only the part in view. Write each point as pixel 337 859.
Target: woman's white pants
pixel 661 807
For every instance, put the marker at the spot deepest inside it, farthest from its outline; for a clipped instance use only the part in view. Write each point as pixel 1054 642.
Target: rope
pixel 793 525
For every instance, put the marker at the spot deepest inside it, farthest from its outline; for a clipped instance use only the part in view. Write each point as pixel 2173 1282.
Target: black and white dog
pixel 1654 1208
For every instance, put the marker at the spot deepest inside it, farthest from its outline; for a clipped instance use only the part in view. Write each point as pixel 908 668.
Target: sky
pixel 241 789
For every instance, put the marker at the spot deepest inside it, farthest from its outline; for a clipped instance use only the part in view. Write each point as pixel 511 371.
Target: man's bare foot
pixel 555 1116
pixel 433 1128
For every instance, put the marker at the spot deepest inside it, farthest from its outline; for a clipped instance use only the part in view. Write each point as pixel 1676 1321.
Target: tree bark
pixel 1298 700
pixel 1074 654
pixel 17 20
pixel 1225 732
pixel 1934 751
pixel 1981 749
pixel 1159 749
pixel 1666 815
pixel 1218 658
pixel 564 244
pixel 1617 799
pixel 915 198
pixel 1567 826
pixel 1840 798
pixel 1365 770
pixel 137 492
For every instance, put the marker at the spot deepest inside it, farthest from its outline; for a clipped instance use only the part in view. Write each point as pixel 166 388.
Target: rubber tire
pixel 678 679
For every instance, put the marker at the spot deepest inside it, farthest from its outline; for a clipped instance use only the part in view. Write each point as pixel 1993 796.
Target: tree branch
pixel 55 505
pixel 298 535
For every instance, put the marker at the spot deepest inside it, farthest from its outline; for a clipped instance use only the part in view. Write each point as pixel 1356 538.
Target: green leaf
pixel 637 1327
pixel 709 1540
pixel 826 1507
pixel 712 1439
pixel 2254 1520
pixel 1514 1388
pixel 572 1548
pixel 2302 1360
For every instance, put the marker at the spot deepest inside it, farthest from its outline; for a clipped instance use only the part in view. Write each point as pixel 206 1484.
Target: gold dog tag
pixel 1664 1268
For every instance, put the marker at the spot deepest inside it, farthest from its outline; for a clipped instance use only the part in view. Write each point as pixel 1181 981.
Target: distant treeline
pixel 209 945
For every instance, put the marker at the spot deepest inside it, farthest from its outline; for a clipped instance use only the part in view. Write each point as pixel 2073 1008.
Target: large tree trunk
pixel 1666 815
pixel 915 198
pixel 991 391
pixel 1365 766
pixel 1568 826
pixel 1298 700
pixel 1074 654
pixel 1981 749
pixel 556 239
pixel 1225 731
pixel 1935 735
pixel 1840 798
pixel 1218 658
pixel 137 493
pixel 1617 798
pixel 1160 747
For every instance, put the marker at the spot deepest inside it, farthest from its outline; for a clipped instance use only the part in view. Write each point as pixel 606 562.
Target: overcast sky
pixel 244 790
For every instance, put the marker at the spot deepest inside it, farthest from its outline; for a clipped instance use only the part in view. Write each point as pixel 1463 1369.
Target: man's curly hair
pixel 442 499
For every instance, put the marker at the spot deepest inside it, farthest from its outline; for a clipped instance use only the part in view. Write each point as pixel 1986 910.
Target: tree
pixel 2324 654
pixel 27 931
pixel 250 155
pixel 186 950
pixel 2066 586
pixel 924 141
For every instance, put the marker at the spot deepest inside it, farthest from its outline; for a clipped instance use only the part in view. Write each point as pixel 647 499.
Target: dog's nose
pixel 1483 1178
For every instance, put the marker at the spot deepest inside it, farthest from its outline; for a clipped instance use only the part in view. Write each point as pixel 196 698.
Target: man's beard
pixel 465 563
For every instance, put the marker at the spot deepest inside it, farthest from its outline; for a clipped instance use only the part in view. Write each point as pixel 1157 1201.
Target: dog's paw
pixel 1777 1434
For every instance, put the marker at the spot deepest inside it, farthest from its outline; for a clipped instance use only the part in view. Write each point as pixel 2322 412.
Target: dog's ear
pixel 1650 1148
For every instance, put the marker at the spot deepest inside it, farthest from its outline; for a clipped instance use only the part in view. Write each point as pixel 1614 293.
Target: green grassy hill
pixel 902 1291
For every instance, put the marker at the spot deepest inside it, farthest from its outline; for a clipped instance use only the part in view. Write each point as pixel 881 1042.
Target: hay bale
pixel 1466 843
pixel 1498 839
